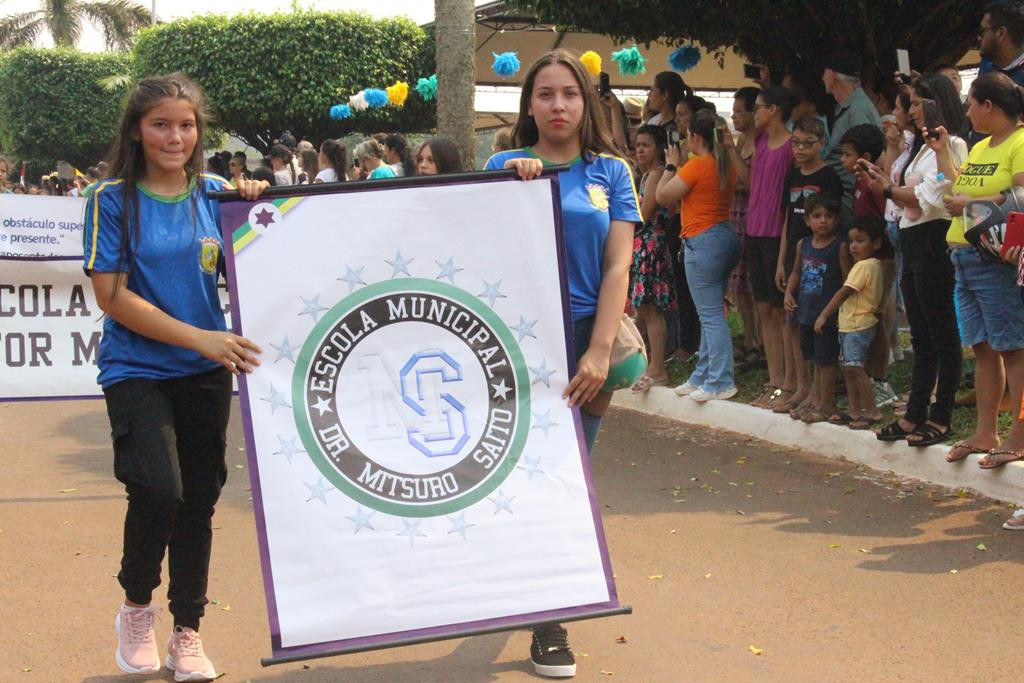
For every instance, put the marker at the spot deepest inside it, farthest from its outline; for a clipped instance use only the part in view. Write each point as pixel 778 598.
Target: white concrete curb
pixel 927 464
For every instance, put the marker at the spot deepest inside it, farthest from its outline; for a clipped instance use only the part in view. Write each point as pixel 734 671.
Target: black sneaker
pixel 550 652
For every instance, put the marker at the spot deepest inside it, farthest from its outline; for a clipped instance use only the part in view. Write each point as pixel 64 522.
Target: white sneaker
pixel 701 396
pixel 685 389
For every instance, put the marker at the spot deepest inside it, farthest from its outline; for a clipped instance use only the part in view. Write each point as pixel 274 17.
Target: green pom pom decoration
pixel 427 87
pixel 630 61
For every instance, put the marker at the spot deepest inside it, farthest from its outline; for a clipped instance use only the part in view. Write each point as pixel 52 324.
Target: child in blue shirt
pixel 819 269
pixel 558 123
pixel 153 252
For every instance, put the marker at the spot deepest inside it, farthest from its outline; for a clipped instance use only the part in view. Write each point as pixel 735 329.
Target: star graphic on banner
pixel 531 466
pixel 399 265
pixel 276 400
pixel 491 292
pixel 541 373
pixel 412 530
pixel 318 490
pixel 285 350
pixel 502 503
pixel 288 448
pixel 543 421
pixel 459 525
pixel 448 270
pixel 264 218
pixel 500 390
pixel 524 329
pixel 312 307
pixel 362 519
pixel 323 405
pixel 353 277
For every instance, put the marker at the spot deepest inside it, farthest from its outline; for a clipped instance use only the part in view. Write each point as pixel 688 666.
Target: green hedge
pixel 266 73
pixel 52 108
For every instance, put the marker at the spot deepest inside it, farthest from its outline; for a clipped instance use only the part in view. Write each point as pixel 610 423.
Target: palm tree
pixel 118 20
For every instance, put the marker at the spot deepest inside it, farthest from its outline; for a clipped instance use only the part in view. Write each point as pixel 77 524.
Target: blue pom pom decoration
pixel 506 64
pixel 341 111
pixel 630 61
pixel 376 98
pixel 427 87
pixel 684 58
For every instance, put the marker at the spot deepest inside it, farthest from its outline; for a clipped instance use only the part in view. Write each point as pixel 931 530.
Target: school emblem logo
pixel 415 430
pixel 209 252
pixel 598 196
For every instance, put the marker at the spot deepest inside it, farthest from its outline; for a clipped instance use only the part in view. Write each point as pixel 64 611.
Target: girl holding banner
pixel 561 122
pixel 154 253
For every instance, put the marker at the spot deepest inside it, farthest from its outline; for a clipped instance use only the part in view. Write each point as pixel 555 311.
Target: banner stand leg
pixel 401 642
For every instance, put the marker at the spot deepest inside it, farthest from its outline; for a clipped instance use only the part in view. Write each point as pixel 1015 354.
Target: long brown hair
pixel 595 138
pixel 127 159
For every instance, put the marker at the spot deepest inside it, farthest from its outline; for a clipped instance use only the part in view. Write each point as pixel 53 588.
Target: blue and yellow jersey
pixel 594 192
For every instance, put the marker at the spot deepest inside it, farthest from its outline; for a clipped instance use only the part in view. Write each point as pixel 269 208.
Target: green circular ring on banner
pixel 327 443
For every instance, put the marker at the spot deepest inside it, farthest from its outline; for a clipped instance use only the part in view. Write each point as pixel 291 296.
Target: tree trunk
pixel 455 28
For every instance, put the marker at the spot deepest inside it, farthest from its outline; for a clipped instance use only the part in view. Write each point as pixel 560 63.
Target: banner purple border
pixel 234 214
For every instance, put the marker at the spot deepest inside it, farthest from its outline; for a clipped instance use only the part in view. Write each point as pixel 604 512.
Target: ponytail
pixel 707 125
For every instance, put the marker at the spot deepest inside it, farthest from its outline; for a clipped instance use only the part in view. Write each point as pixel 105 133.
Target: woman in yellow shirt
pixel 989 306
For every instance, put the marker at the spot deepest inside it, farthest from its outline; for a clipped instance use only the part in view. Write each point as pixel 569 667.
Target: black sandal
pixel 839 418
pixel 893 432
pixel 930 435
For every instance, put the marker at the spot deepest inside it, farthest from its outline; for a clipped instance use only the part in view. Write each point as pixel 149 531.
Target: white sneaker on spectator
pixel 884 395
pixel 701 396
pixel 685 389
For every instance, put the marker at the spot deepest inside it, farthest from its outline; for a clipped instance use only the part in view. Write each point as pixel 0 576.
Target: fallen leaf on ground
pixel 238 467
pixel 953 571
pixel 226 608
pixel 26 669
pixel 865 551
pixel 716 472
pixel 833 545
pixel 655 577
pixel 740 512
pixel 756 650
pixel 621 639
pixel 67 490
pixel 981 546
pixel 671 531
pixel 707 576
pixel 835 474
pixel 607 673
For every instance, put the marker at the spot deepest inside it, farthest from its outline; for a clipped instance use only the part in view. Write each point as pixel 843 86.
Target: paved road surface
pixel 718 542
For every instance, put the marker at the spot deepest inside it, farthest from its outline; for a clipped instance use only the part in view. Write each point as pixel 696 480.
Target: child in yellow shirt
pixel 858 301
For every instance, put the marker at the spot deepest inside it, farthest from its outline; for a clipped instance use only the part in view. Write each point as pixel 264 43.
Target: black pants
pixel 927 284
pixel 169 441
pixel 684 327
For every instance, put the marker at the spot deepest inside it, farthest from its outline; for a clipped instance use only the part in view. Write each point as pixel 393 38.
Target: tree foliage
pixel 52 106
pixel 117 20
pixel 783 32
pixel 263 74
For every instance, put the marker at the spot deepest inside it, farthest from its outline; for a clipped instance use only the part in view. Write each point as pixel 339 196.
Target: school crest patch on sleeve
pixel 598 196
pixel 209 252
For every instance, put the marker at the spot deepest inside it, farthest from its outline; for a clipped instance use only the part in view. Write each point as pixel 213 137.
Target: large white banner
pixel 50 326
pixel 416 473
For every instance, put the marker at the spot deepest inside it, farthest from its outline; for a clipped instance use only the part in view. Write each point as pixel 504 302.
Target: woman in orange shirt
pixel 711 249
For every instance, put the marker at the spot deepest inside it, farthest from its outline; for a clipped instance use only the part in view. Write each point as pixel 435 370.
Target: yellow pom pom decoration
pixel 592 62
pixel 397 93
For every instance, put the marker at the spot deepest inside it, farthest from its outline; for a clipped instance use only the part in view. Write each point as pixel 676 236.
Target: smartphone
pixel 903 62
pixel 1014 235
pixel 604 84
pixel 673 137
pixel 751 71
pixel 932 118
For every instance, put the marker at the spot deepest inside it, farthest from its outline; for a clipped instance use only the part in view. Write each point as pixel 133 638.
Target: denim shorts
pixel 855 346
pixel 988 302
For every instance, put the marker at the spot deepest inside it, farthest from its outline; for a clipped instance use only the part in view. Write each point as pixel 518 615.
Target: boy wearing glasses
pixel 809 176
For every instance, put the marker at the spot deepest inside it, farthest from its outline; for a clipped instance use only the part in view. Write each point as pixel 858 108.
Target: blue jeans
pixel 709 258
pixel 988 303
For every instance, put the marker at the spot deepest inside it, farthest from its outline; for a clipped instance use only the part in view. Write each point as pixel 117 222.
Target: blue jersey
pixel 174 265
pixel 595 191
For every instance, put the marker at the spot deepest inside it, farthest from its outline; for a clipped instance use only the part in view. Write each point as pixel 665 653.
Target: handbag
pixel 628 359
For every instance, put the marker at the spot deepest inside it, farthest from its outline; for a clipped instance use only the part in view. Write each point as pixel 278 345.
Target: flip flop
pixel 1014 455
pixel 645 382
pixel 861 424
pixel 840 419
pixel 815 417
pixel 967 449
